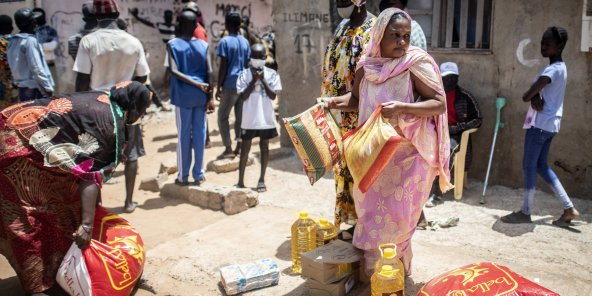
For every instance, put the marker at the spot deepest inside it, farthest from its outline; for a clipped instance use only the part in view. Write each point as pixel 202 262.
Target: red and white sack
pixel 482 279
pixel 110 265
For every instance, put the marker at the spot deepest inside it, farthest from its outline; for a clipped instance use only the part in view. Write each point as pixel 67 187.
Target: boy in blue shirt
pixel 190 93
pixel 234 53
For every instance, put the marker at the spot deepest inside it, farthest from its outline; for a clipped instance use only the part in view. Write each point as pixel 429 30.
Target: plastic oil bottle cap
pixel 303 215
pixel 389 253
pixel 324 222
pixel 387 270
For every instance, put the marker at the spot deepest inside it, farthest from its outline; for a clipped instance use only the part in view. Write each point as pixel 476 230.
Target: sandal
pixel 131 208
pixel 562 222
pixel 261 187
pixel 516 218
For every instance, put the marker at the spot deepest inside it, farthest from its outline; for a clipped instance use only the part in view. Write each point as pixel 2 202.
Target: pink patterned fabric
pixel 530 118
pixel 388 212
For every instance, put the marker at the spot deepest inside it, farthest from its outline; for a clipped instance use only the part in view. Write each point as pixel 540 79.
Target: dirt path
pixel 186 245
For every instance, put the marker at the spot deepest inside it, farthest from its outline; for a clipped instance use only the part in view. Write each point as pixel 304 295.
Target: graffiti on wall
pixel 303 43
pixel 307 30
pixel 520 54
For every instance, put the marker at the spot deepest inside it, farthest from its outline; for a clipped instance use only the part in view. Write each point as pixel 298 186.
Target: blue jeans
pixel 537 143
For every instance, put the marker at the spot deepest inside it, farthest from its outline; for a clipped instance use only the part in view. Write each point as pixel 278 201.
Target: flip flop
pixel 261 187
pixel 130 209
pixel 239 186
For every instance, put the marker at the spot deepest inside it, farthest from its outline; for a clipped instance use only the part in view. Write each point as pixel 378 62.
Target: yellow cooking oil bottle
pixel 387 281
pixel 326 232
pixel 388 255
pixel 304 239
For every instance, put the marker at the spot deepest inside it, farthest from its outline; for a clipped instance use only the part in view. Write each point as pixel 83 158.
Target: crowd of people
pixel 57 151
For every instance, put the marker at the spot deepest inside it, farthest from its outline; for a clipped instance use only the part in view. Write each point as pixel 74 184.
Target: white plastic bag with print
pixel 73 275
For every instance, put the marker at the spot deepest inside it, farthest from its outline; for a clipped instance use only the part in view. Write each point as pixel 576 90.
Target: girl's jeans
pixel 536 150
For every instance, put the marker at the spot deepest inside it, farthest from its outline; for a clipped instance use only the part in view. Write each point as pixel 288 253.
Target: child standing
pixel 257 86
pixel 190 93
pixel 234 53
pixel 542 124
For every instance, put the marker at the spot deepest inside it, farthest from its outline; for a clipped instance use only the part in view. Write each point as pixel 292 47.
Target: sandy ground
pixel 186 245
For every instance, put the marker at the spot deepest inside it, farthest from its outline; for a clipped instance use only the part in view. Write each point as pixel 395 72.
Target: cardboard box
pixel 340 288
pixel 330 263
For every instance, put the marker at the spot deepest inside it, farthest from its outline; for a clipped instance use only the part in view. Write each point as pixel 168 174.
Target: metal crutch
pixel 499 104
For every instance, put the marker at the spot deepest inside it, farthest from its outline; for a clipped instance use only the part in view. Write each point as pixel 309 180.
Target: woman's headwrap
pixel 377 32
pixel 358 3
pixel 133 97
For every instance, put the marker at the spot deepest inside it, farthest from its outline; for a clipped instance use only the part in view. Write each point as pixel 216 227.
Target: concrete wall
pixel 66 17
pixel 303 29
pixel 508 71
pixel 498 72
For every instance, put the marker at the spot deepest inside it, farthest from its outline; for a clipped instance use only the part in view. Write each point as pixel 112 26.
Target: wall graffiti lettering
pixel 222 9
pixel 303 41
pixel 306 17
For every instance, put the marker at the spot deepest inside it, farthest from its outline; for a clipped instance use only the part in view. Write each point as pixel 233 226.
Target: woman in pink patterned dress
pixel 406 82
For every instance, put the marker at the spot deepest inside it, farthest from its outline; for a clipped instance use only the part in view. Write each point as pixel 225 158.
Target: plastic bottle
pixel 326 232
pixel 388 256
pixel 388 281
pixel 304 239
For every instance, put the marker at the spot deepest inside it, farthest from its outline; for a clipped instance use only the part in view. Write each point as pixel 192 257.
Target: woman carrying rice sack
pixel 406 81
pixel 54 155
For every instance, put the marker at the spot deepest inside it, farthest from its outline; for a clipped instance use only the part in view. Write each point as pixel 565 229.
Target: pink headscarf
pixel 421 131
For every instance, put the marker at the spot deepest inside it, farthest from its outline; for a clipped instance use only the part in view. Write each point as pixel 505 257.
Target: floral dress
pixel 339 66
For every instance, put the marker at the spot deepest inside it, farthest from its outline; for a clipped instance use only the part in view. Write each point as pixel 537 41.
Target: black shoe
pixel 516 218
pixel 181 183
pixel 198 182
pixel 226 155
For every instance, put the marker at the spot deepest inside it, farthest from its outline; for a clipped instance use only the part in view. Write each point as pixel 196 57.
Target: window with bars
pixel 454 24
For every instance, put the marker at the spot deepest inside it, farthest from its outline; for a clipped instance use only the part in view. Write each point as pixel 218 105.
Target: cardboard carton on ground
pixel 331 262
pixel 340 288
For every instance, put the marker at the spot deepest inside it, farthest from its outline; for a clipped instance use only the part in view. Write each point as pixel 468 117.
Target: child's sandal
pixel 261 187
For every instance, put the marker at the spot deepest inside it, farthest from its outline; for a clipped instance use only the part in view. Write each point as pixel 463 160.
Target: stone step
pixel 154 184
pixel 227 165
pixel 229 199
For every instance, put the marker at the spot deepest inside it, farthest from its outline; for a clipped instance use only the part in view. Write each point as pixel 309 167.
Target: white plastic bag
pixel 73 275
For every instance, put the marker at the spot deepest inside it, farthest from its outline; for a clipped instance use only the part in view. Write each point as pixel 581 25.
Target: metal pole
pixel 488 168
pixel 499 104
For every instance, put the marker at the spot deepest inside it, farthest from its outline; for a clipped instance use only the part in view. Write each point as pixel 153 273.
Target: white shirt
pixel 553 93
pixel 257 109
pixel 110 56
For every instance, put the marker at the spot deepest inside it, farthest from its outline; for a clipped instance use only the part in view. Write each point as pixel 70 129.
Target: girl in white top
pixel 257 86
pixel 542 123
